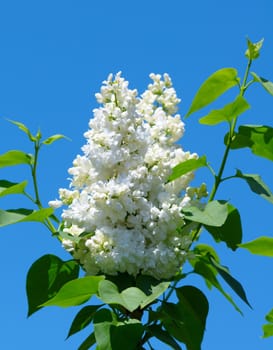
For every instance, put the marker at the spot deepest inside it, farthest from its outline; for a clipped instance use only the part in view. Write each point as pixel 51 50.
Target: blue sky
pixel 54 56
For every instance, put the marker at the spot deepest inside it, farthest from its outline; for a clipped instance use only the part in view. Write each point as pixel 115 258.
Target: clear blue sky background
pixel 54 56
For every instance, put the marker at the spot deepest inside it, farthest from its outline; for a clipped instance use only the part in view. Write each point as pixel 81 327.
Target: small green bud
pixel 253 51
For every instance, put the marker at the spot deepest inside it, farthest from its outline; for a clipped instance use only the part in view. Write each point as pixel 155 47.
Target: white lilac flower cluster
pixel 122 214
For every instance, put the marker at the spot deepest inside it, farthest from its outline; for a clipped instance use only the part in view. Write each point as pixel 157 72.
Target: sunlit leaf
pixel 269 316
pixel 256 184
pixel 213 214
pixel 83 318
pixel 266 84
pixel 53 138
pixel 75 292
pixel 130 298
pixel 218 83
pixel 260 246
pixel 268 328
pixel 259 138
pixel 7 187
pixel 231 231
pixel 187 166
pixel 45 278
pixel 227 113
pixel 231 281
pixel 253 49
pixel 14 157
pixel 25 129
pixel 157 290
pixel 14 216
pixel 203 250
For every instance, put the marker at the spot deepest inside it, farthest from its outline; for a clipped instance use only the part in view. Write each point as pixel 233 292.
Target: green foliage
pixel 226 114
pixel 203 266
pixel 217 84
pixel 260 246
pixel 233 283
pixel 231 231
pixel 186 319
pixel 88 342
pixel 139 308
pixel 266 84
pixel 15 216
pixel 130 298
pixel 45 278
pixel 7 187
pixel 83 318
pixel 256 185
pixel 187 166
pixel 214 213
pixel 53 138
pixel 156 291
pixel 15 157
pixel 259 138
pixel 75 292
pixel 25 129
pixel 111 334
pixel 268 328
pixel 253 49
pixel 164 336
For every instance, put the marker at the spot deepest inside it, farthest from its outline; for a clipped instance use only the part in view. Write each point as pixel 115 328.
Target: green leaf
pixel 7 187
pixel 75 292
pixel 260 246
pixel 14 216
pixel 187 166
pixel 256 185
pixel 213 214
pixel 218 83
pixel 186 320
pixel 15 157
pixel 83 318
pixel 227 113
pixel 269 316
pixel 231 231
pixel 122 280
pixel 103 319
pixel 126 335
pixel 130 298
pixel 231 281
pixel 88 342
pixel 253 50
pixel 53 138
pixel 25 129
pixel 268 328
pixel 266 84
pixel 164 336
pixel 145 283
pixel 157 290
pixel 204 250
pixel 259 138
pixel 113 335
pixel 45 278
pixel 203 267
